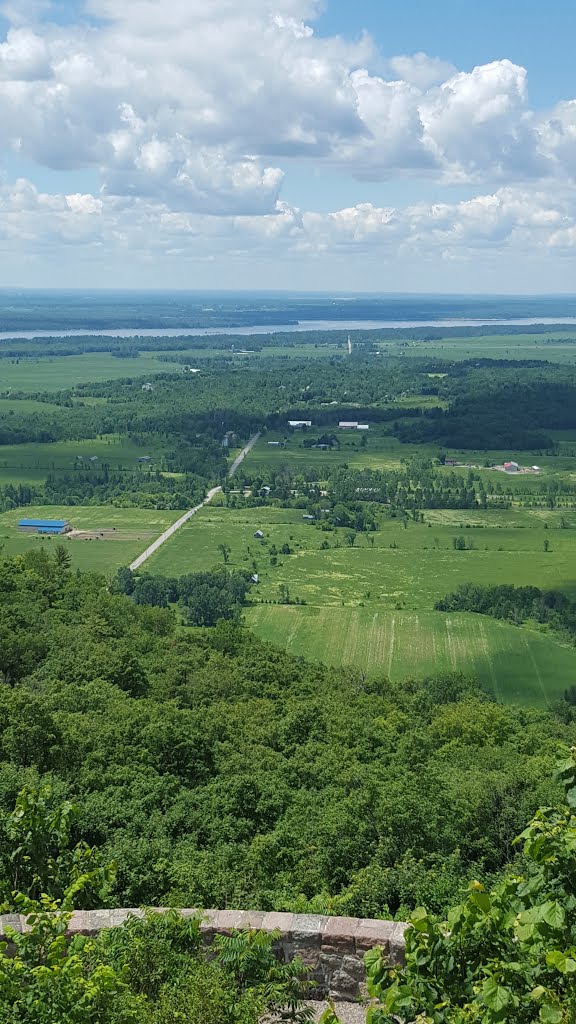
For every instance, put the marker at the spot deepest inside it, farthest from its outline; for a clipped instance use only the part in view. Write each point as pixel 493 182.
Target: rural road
pixel 191 512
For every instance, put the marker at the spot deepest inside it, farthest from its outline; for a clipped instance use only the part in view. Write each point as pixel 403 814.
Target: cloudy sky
pixel 385 145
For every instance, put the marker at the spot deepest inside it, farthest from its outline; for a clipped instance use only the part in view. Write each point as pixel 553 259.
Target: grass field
pixel 383 451
pixel 136 528
pixel 412 567
pixel 54 374
pixel 552 346
pixel 517 665
pixel 31 463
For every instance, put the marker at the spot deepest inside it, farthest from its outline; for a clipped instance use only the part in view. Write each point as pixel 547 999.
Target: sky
pixel 416 146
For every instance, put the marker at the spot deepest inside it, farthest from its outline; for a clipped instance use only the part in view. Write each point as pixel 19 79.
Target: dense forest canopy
pixel 216 770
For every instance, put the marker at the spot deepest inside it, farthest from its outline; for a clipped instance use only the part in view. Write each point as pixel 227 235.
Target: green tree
pixel 225 550
pixel 504 955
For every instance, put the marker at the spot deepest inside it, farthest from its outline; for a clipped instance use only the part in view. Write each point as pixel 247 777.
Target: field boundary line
pixel 192 511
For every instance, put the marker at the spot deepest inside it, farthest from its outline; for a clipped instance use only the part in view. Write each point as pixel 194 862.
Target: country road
pixel 191 512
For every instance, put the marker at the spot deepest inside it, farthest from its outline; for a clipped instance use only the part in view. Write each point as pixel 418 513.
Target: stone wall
pixel 332 947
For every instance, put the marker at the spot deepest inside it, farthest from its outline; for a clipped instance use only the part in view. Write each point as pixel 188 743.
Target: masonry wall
pixel 332 947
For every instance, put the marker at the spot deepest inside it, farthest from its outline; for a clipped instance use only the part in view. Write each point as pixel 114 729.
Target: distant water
pixel 302 325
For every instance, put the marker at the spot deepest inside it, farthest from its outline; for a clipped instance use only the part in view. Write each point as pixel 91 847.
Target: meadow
pixel 372 606
pixel 31 463
pixel 515 664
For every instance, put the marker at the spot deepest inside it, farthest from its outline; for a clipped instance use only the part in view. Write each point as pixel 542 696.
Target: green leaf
pixel 553 914
pixel 551 1013
pixel 495 996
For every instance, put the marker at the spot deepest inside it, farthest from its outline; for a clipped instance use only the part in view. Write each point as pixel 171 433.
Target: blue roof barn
pixel 49 526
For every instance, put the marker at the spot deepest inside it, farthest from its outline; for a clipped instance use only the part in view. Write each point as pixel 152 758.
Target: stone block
pixel 228 921
pixel 339 934
pixel 308 929
pixel 253 919
pixel 371 933
pixel 354 966
pixel 274 921
pixel 397 947
pixel 344 986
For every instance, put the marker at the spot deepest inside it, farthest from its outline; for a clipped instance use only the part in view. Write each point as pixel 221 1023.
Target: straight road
pixel 191 512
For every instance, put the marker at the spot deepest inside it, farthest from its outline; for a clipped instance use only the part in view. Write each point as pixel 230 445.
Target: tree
pixel 350 538
pixel 62 558
pixel 546 544
pixel 505 955
pixel 225 550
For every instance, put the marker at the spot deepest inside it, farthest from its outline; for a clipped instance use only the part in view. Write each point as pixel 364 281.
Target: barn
pixel 52 527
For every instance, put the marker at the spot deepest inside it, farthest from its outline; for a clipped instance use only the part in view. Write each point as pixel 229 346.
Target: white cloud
pixel 191 113
pixel 421 70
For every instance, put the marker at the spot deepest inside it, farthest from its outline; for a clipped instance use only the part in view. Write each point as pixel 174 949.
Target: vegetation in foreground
pixel 508 954
pixel 216 770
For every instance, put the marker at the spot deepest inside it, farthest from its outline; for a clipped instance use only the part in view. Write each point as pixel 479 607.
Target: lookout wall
pixel 331 947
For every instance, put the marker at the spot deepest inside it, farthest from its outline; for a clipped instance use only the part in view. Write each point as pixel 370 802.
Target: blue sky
pixel 425 145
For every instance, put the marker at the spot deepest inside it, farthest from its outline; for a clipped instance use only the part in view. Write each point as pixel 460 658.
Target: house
pixel 265 491
pixel 299 424
pixel 148 387
pixel 258 535
pixel 255 578
pixel 225 441
pixel 52 527
pixel 450 462
pixel 345 425
pixel 511 467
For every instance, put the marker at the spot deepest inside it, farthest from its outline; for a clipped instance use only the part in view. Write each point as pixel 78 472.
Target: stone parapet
pixel 331 947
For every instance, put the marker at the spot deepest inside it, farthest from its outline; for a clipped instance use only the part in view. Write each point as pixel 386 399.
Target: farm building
pixel 309 519
pixel 258 535
pixel 363 426
pixel 54 527
pixel 345 425
pixel 274 444
pixel 299 424
pixel 511 467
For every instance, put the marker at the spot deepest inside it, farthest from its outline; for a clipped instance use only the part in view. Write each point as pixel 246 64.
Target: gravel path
pixel 191 512
pixel 349 1013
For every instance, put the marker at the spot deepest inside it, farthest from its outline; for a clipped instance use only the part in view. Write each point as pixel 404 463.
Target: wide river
pixel 302 325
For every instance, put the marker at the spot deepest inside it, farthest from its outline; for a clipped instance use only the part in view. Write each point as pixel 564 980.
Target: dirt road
pixel 191 512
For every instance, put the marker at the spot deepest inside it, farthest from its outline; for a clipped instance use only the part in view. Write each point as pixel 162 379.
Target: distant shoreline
pixel 285 328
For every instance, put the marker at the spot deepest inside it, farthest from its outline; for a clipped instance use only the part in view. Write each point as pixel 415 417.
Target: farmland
pixel 134 529
pixel 516 665
pixel 30 463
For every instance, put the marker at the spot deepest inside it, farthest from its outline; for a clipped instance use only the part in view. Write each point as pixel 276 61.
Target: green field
pixel 58 372
pixel 136 529
pixel 412 567
pixel 517 665
pixel 364 602
pixel 31 463
pixel 552 346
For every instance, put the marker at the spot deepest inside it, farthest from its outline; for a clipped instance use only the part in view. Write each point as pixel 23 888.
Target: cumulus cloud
pixel 191 113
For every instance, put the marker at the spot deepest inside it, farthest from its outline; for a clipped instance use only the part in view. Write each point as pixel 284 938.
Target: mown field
pixel 135 527
pixel 372 606
pixel 517 665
